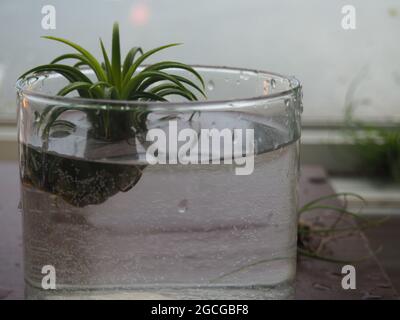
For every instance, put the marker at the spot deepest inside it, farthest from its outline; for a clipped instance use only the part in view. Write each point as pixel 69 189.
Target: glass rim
pixel 295 84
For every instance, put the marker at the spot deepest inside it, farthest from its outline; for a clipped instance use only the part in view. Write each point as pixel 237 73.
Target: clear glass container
pixel 112 222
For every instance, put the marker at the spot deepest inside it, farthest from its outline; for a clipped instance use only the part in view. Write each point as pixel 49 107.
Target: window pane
pixel 305 40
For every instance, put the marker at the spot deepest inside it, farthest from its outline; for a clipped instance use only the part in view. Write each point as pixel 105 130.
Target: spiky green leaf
pixel 130 57
pixel 147 96
pixel 175 65
pixel 116 56
pixel 94 64
pixel 134 83
pixel 107 63
pixel 142 58
pixel 153 80
pixel 178 92
pixel 74 86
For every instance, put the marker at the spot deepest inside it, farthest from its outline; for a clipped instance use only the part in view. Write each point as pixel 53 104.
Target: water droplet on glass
pixel 20 205
pixel 287 102
pixel 273 83
pixel 182 206
pixel 210 85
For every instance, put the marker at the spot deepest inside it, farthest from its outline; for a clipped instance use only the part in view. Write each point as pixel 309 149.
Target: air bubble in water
pixel 183 206
pixel 210 85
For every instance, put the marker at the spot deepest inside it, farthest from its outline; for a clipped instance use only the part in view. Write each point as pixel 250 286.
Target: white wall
pixel 301 38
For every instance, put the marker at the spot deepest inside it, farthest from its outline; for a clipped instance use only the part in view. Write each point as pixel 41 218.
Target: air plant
pixel 313 238
pixel 126 80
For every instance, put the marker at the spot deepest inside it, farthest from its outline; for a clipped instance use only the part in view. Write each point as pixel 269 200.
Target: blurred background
pixel 305 40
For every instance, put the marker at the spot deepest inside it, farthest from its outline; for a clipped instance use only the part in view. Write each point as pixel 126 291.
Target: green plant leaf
pixel 130 57
pixel 146 95
pixel 169 89
pixel 190 83
pixel 181 93
pixel 71 73
pixel 76 56
pixel 143 57
pixel 107 63
pixel 165 85
pixel 330 196
pixel 53 115
pixel 314 255
pixel 74 86
pixel 175 65
pixel 133 84
pixel 153 80
pixel 116 56
pixel 80 64
pixel 101 84
pixel 94 64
